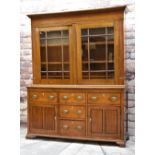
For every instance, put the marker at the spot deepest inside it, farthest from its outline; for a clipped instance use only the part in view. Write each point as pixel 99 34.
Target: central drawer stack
pixel 72 114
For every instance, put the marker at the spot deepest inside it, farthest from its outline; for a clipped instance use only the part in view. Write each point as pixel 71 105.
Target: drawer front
pixel 72 111
pixel 72 128
pixel 43 96
pixel 104 98
pixel 78 98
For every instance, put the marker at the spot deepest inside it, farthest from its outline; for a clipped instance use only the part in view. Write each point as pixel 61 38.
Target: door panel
pixel 37 117
pixel 43 118
pixel 112 121
pixel 104 121
pixel 49 118
pixel 97 121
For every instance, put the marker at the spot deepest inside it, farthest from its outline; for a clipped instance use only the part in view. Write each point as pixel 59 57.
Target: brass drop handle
pixel 51 97
pixel 65 97
pixel 65 127
pixel 34 96
pixel 93 97
pixel 79 127
pixel 66 111
pixel 78 111
pixel 114 98
pixel 79 97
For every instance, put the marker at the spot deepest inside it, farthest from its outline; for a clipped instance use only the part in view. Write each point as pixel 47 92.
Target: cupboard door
pixel 54 55
pixel 49 118
pixel 37 117
pixel 97 52
pixel 104 121
pixel 43 118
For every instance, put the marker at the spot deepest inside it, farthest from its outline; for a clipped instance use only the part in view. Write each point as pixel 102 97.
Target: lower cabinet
pixel 73 113
pixel 103 121
pixel 43 118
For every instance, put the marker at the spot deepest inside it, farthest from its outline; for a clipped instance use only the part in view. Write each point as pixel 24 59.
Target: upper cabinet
pixel 78 48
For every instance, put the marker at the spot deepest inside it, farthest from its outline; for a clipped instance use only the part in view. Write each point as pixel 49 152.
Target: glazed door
pixel 43 118
pixel 52 58
pixel 97 50
pixel 104 121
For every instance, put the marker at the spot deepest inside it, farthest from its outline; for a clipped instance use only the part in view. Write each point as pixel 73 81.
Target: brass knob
pixel 66 111
pixel 114 98
pixel 90 119
pixel 78 97
pixel 79 127
pixel 65 127
pixel 93 97
pixel 51 97
pixel 78 111
pixel 65 97
pixel 34 96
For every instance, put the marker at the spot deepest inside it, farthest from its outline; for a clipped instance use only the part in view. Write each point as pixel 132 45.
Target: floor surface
pixel 49 146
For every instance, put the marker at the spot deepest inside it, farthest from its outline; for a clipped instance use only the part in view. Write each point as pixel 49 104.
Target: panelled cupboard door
pixel 97 50
pixel 43 118
pixel 52 55
pixel 104 121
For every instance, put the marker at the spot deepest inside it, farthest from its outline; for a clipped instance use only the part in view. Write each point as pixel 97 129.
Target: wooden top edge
pixel 107 9
pixel 78 86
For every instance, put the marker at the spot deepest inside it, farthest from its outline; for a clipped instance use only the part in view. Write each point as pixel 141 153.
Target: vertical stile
pixel 106 50
pixel 46 55
pixel 88 55
pixel 62 55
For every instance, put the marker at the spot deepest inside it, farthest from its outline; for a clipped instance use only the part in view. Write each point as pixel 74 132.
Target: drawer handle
pixel 79 127
pixel 65 97
pixel 34 96
pixel 79 97
pixel 78 111
pixel 51 97
pixel 114 98
pixel 93 97
pixel 65 127
pixel 66 111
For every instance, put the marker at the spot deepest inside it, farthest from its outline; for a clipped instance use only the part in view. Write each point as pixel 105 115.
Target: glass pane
pixel 111 52
pixel 97 66
pixel 65 34
pixel 110 30
pixel 97 75
pixel 96 31
pixel 55 75
pixel 84 32
pixel 43 49
pixel 97 53
pixel 65 41
pixel 85 48
pixel 54 52
pixel 66 67
pixel 54 34
pixel 110 75
pixel 42 35
pixel 85 75
pixel 54 67
pixel 43 71
pixel 97 48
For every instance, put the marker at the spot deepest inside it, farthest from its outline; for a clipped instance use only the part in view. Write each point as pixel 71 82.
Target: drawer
pixel 104 98
pixel 72 111
pixel 72 128
pixel 43 96
pixel 78 98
